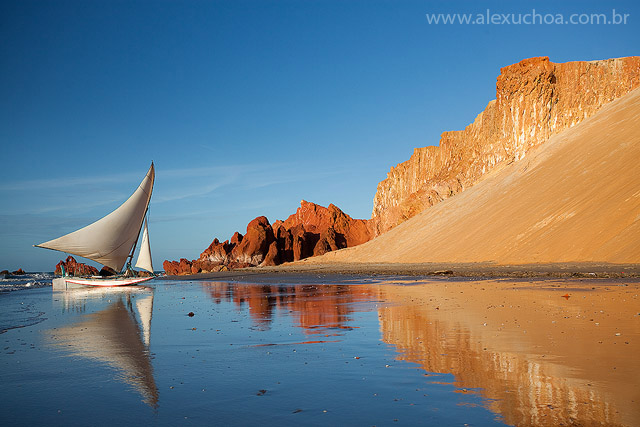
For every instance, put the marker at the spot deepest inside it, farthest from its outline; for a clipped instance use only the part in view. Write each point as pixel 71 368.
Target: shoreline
pixel 304 270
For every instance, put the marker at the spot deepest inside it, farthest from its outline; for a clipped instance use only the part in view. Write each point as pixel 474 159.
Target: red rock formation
pixel 177 267
pixel 217 253
pixel 317 219
pixel 236 238
pixel 284 240
pixel 272 257
pixel 255 244
pixel 74 268
pixel 535 99
pixel 303 242
pixel 312 230
pixel 170 267
pixel 326 243
pixel 185 265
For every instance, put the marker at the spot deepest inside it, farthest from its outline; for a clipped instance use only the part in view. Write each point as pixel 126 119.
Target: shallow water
pixel 273 354
pixel 11 282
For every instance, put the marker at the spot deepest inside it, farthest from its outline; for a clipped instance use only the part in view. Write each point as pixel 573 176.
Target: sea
pixel 14 282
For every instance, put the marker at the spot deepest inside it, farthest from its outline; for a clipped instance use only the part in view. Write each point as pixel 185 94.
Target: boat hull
pixel 63 283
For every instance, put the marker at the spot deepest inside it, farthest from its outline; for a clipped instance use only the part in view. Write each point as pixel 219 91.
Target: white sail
pixel 144 257
pixel 109 240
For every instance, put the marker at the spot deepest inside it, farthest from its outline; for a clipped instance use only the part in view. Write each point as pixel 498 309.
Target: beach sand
pixel 547 344
pixel 310 268
pixel 549 352
pixel 318 348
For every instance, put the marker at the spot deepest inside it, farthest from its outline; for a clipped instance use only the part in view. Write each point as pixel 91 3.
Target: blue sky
pixel 246 107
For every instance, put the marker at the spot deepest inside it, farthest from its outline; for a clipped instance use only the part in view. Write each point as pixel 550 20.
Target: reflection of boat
pixel 115 337
pixel 111 241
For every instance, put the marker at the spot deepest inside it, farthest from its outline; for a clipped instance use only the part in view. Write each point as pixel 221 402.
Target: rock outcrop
pixel 535 99
pixel 318 219
pixel 74 268
pixel 312 230
pixel 255 244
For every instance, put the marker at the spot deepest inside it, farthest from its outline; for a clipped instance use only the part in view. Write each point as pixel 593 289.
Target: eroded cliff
pixel 535 99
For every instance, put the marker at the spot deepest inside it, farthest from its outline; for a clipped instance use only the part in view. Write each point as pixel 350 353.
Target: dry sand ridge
pixel 575 199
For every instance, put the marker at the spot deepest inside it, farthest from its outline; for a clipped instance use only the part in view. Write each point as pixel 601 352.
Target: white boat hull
pixel 63 283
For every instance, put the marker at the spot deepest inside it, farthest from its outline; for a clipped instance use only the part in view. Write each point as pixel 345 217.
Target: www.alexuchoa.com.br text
pixel 530 18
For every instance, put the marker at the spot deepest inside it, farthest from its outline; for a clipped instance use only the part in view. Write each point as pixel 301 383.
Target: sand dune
pixel 576 198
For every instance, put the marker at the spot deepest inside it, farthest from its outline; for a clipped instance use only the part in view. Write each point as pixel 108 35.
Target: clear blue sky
pixel 246 107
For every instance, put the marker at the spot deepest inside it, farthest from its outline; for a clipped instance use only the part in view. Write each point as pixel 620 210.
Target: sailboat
pixel 111 241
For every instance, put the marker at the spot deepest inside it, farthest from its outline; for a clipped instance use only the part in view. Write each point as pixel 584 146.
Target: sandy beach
pixel 547 343
pixel 546 352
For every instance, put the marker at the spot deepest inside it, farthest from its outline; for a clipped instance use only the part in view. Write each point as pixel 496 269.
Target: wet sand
pixel 311 268
pixel 318 348
pixel 549 352
pixel 546 345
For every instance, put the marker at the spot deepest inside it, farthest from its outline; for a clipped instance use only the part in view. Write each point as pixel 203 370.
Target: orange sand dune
pixel 576 198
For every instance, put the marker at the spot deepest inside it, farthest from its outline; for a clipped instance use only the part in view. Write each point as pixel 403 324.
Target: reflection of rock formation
pixel 528 381
pixel 113 336
pixel 316 308
pixel 536 357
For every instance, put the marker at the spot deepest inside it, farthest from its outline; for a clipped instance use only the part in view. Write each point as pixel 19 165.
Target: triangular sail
pixel 109 240
pixel 144 257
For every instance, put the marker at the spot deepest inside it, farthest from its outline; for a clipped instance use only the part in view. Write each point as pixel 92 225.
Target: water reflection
pixel 118 335
pixel 510 351
pixel 535 356
pixel 317 309
pixel 530 373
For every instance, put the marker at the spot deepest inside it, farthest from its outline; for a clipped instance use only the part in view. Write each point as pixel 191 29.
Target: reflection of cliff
pixel 541 376
pixel 113 336
pixel 315 308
